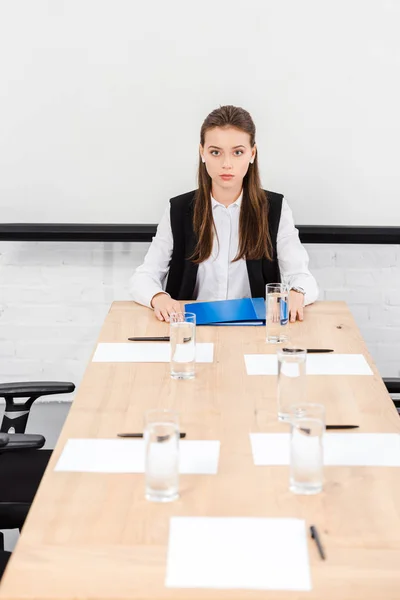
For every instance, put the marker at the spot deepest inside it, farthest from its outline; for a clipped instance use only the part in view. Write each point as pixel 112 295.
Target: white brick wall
pixel 54 297
pixel 368 279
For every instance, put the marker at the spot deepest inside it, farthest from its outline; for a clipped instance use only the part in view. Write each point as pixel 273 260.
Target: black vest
pixel 183 272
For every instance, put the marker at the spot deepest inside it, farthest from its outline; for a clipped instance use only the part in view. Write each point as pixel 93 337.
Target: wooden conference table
pixel 95 536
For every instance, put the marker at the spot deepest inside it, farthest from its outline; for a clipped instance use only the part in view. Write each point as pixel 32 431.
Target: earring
pixel 202 160
pixel 252 161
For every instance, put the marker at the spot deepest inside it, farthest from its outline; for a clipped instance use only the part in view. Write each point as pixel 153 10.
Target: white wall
pixel 54 297
pixel 104 102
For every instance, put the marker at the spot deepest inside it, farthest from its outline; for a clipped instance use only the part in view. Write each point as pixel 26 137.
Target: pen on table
pixel 307 430
pixel 314 350
pixel 315 537
pixel 164 338
pixel 342 427
pixel 140 435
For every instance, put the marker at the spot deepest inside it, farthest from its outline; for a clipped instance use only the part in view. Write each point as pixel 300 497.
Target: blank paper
pixel 146 352
pixel 316 364
pixel 261 364
pixel 238 553
pixel 128 456
pixel 340 449
pixel 362 449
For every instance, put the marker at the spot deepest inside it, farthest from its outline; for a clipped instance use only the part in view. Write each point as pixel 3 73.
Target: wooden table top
pixel 92 535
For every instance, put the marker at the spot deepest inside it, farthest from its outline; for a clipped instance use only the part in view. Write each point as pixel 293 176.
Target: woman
pixel 228 238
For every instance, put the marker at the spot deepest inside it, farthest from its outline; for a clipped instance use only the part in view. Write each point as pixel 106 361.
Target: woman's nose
pixel 226 164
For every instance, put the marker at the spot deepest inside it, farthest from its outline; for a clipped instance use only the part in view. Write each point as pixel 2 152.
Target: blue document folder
pixel 245 311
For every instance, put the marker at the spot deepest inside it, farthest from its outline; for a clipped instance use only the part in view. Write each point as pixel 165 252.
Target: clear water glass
pixel 183 345
pixel 291 388
pixel 306 448
pixel 277 312
pixel 161 436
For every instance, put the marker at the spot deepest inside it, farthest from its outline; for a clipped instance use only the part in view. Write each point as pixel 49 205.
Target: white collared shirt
pixel 218 278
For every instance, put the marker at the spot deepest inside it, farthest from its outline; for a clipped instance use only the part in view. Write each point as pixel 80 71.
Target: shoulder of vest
pixel 183 200
pixel 274 196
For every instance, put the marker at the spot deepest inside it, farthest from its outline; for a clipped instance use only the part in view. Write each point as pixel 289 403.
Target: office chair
pixel 16 413
pixel 4 557
pixel 393 387
pixel 21 467
pixel 21 470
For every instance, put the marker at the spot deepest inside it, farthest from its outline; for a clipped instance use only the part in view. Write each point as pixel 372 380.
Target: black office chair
pixel 393 387
pixel 21 470
pixel 4 557
pixel 16 413
pixel 21 467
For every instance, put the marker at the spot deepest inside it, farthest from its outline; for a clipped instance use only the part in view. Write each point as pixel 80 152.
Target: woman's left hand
pixel 296 306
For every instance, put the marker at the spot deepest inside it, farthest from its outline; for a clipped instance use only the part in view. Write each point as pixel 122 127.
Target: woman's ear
pixel 201 150
pixel 253 154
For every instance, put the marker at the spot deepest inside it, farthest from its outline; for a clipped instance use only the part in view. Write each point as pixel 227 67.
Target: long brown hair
pixel 254 238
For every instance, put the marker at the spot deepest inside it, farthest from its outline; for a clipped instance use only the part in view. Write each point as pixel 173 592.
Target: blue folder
pixel 245 311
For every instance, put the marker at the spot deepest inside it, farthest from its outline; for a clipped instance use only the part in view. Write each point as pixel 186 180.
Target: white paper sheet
pixel 270 448
pixel 238 553
pixel 317 364
pixel 362 449
pixel 346 449
pixel 261 364
pixel 127 456
pixel 146 352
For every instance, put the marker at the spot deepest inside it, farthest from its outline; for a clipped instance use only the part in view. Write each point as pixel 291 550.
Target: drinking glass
pixel 292 378
pixel 183 345
pixel 161 436
pixel 307 423
pixel 277 312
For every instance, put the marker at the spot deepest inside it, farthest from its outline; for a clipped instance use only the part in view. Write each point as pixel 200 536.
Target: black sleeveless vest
pixel 183 272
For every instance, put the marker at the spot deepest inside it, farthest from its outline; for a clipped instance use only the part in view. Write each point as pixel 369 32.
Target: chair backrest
pixel 16 413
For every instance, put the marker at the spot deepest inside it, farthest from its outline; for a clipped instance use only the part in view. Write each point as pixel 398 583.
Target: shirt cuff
pixel 309 285
pixel 143 289
pixel 159 292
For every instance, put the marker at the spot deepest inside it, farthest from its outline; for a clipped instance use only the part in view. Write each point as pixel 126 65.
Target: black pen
pixel 342 427
pixel 307 430
pixel 140 435
pixel 309 350
pixel 164 338
pixel 315 537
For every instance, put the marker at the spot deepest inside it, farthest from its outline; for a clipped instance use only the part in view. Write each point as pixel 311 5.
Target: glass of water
pixel 161 436
pixel 292 379
pixel 306 448
pixel 183 345
pixel 277 312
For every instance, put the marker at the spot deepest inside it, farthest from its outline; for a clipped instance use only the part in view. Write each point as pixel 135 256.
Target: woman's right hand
pixel 164 305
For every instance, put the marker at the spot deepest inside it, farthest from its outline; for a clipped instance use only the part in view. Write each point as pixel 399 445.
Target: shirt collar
pixel 237 202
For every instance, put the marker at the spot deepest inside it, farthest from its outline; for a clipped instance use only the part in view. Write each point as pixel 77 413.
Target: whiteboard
pixel 102 103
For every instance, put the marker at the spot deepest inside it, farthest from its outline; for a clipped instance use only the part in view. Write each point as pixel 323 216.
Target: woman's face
pixel 227 154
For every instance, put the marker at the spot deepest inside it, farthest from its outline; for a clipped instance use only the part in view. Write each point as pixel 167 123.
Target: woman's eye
pixel 217 152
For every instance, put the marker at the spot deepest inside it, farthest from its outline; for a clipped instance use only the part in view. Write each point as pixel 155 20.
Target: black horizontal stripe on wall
pixel 309 234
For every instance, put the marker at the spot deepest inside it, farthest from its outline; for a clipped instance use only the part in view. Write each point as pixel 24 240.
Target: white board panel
pixel 102 103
